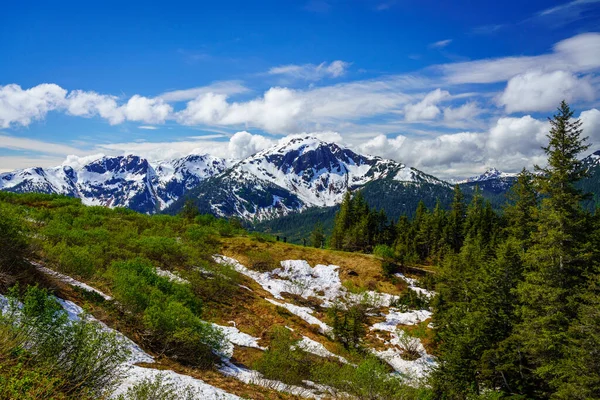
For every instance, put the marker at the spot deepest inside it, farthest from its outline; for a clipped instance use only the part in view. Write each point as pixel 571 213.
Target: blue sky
pixel 448 87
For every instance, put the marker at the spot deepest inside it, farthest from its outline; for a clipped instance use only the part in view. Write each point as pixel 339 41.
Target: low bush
pixel 169 311
pixel 69 357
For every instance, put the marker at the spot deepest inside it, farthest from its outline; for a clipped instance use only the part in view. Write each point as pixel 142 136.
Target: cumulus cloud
pixel 21 107
pixel 244 144
pixel 591 126
pixel 312 72
pixel 427 108
pixel 523 135
pixel 539 91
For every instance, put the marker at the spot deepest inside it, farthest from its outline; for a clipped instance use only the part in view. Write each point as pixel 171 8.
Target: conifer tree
pixel 556 263
pixel 317 237
pixel 456 220
pixel 520 212
pixel 343 220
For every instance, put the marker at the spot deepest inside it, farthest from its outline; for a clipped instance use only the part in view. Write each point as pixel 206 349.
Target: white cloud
pixel 467 111
pixel 440 44
pixel 148 127
pixel 591 126
pixel 18 143
pixel 144 109
pixel 539 91
pixel 577 54
pixel 312 72
pixel 523 135
pixel 21 107
pixel 427 108
pixel 223 87
pixel 244 144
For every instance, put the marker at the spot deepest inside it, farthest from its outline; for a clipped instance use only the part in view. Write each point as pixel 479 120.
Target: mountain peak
pixel 489 174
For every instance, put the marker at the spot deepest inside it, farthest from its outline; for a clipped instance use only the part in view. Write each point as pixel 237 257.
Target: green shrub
pixel 170 312
pixel 411 300
pixel 85 357
pixel 261 260
pixel 283 361
pixel 159 388
pixel 13 243
pixel 348 323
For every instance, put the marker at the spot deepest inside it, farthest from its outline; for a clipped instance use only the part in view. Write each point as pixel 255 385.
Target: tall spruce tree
pixel 521 209
pixel 456 219
pixel 556 263
pixel 343 220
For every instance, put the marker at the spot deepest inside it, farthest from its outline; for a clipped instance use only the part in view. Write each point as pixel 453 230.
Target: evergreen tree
pixel 343 220
pixel 521 209
pixel 317 237
pixel 189 210
pixel 556 263
pixel 456 218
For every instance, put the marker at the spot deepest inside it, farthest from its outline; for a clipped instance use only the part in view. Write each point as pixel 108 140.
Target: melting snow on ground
pixel 181 383
pixel 412 284
pixel 314 347
pixel 396 317
pixel 256 378
pixel 412 369
pixel 305 313
pixel 235 337
pixel 170 276
pixel 322 282
pixel 68 280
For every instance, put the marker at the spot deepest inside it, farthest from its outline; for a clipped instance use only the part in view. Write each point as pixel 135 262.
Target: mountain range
pixel 295 176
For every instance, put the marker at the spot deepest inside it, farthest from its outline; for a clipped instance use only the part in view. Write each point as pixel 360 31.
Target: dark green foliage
pixel 317 236
pixel 13 243
pixel 358 228
pixel 411 300
pixel 170 312
pixel 517 306
pixel 559 259
pixel 283 360
pixel 68 357
pixel 348 324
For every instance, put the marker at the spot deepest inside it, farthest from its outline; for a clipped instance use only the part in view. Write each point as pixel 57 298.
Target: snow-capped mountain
pixel 296 174
pixel 299 173
pixel 491 180
pixel 123 181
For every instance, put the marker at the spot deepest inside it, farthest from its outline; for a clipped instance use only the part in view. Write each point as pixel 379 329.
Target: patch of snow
pixel 256 378
pixel 305 313
pixel 171 276
pixel 235 337
pixel 412 284
pixel 68 280
pixel 395 318
pixel 181 383
pixel 412 369
pixel 316 348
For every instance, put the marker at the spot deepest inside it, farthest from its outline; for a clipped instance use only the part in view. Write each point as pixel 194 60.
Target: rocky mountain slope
pixel 297 174
pixel 123 181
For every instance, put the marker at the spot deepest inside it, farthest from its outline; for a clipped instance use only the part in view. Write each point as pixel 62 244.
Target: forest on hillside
pixel 518 304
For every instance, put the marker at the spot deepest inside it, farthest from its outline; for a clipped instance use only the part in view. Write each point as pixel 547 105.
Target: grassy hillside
pixel 160 286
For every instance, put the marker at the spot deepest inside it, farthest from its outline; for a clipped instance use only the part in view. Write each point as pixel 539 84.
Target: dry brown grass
pixel 363 270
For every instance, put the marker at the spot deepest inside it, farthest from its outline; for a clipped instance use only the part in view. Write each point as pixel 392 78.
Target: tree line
pixel 517 310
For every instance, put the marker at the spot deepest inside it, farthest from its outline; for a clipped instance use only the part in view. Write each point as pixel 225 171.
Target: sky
pixel 451 88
